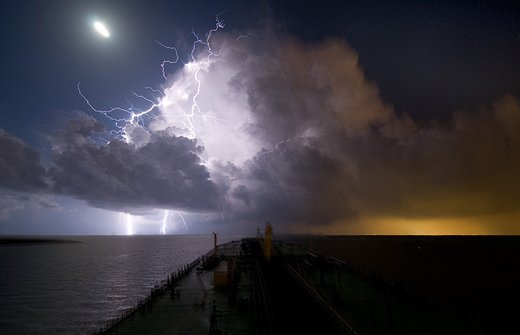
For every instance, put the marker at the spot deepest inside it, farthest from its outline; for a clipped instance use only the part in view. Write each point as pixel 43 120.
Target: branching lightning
pixel 165 222
pixel 167 218
pixel 184 223
pixel 244 36
pixel 168 61
pixel 201 57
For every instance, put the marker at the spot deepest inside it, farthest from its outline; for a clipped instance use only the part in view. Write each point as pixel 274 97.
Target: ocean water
pixel 73 288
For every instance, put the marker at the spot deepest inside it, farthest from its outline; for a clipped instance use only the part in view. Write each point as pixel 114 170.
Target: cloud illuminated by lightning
pixel 125 119
pixel 201 57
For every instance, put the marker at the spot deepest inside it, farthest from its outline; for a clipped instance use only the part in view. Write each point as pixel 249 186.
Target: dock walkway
pixel 194 305
pixel 234 291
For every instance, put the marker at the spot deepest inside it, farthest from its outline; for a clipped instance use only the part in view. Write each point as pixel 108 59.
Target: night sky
pixel 332 117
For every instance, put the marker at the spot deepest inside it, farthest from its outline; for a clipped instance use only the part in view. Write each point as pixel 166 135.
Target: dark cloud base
pixel 167 172
pixel 20 167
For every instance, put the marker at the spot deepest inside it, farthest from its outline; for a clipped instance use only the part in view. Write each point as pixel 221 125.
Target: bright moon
pixel 100 28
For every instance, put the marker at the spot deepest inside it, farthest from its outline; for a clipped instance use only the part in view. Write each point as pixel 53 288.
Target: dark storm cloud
pixel 336 152
pixel 12 201
pixel 468 167
pixel 295 183
pixel 23 180
pixel 166 172
pixel 306 101
pixel 20 167
pixel 301 90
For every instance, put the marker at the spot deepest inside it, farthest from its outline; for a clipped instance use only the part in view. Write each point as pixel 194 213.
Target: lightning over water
pixel 184 101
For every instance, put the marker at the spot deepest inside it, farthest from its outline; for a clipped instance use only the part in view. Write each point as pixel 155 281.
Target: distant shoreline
pixel 9 241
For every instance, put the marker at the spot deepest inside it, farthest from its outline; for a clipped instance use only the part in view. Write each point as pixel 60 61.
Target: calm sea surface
pixel 73 288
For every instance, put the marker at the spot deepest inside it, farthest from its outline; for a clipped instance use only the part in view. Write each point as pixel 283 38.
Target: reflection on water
pixel 74 287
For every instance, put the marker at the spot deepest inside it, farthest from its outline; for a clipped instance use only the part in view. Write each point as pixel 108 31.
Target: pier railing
pixel 155 292
pixel 161 289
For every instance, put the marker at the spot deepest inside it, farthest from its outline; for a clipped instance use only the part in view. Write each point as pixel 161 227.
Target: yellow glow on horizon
pixel 499 224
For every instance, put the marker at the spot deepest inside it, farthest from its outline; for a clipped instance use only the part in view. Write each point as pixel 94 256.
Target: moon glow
pixel 101 29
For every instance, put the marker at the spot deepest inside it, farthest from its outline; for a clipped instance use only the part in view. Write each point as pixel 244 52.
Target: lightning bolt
pixel 167 218
pixel 202 55
pixel 165 222
pixel 184 223
pixel 168 61
pixel 244 36
pixel 135 115
pixel 128 222
pixel 196 65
